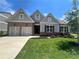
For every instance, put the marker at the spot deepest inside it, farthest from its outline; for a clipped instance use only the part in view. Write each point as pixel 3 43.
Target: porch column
pixel 63 29
pixel 49 28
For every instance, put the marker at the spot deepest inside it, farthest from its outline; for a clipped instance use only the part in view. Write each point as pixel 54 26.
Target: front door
pixel 36 29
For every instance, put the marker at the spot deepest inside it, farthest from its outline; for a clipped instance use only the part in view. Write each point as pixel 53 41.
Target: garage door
pixel 26 31
pixel 17 31
pixel 14 31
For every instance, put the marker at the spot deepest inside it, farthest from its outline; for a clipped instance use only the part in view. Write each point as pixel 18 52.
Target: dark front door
pixel 36 29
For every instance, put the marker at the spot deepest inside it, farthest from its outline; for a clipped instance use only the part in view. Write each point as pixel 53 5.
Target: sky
pixel 57 7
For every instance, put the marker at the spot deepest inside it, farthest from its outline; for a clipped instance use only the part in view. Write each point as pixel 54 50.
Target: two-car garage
pixel 20 24
pixel 20 29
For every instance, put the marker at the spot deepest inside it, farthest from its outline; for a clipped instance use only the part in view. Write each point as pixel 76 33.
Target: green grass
pixel 53 48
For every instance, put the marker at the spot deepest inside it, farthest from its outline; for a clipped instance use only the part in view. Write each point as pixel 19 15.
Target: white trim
pixel 37 24
pixel 22 21
pixel 49 22
pixel 3 22
pixel 3 16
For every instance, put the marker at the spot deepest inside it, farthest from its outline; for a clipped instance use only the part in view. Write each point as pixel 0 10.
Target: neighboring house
pixel 21 24
pixel 3 23
pixel 3 27
pixel 4 16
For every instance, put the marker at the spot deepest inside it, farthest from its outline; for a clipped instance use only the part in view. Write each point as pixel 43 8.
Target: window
pixel 49 19
pixel 49 28
pixel 66 29
pixel 37 16
pixel 21 16
pixel 61 29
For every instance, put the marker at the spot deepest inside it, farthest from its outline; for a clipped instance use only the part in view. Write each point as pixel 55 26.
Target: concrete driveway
pixel 11 46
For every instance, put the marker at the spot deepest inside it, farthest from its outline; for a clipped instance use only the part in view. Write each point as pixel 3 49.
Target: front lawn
pixel 52 48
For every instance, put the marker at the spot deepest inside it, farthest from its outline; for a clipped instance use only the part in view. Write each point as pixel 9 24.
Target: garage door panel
pixel 26 31
pixel 11 31
pixel 14 31
pixel 17 31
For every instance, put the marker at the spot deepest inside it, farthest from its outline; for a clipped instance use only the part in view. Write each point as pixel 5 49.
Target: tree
pixel 73 18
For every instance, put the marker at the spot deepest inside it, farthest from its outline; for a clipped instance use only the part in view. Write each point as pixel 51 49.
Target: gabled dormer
pixel 50 18
pixel 37 16
pixel 20 16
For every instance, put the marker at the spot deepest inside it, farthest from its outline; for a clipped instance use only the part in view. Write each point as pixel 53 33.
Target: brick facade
pixel 17 24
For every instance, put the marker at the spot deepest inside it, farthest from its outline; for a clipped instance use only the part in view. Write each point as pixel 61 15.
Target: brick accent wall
pixel 17 24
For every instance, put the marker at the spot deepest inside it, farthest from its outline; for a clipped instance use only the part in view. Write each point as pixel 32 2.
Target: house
pixel 3 23
pixel 21 24
pixel 4 16
pixel 3 27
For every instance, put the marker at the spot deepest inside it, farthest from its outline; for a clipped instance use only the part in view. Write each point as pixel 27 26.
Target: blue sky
pixel 56 7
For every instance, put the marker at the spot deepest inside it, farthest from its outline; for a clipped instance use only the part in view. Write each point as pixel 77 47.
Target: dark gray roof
pixel 15 17
pixel 4 16
pixel 6 13
pixel 53 19
pixel 37 12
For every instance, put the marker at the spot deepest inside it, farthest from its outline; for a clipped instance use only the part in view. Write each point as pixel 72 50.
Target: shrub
pixel 1 33
pixel 57 34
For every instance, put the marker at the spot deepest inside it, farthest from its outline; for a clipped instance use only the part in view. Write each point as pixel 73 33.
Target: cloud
pixel 6 6
pixel 62 18
pixel 11 11
pixel 45 14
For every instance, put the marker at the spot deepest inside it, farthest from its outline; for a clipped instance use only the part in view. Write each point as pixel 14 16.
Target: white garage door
pixel 26 31
pixel 14 31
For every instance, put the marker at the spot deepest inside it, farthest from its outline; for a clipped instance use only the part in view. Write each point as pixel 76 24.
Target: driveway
pixel 11 46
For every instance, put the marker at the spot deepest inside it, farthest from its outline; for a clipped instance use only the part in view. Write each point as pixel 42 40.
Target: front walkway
pixel 11 46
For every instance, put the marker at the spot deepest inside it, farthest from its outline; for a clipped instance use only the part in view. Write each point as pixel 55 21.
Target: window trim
pixel 64 29
pixel 49 28
pixel 49 19
pixel 37 16
pixel 21 16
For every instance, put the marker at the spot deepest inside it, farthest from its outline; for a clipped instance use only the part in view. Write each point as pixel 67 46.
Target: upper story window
pixel 37 16
pixel 21 16
pixel 49 19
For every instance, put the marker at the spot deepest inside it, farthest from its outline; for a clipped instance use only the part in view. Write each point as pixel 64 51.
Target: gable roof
pixel 53 19
pixel 15 17
pixel 63 22
pixel 37 12
pixel 7 14
pixel 4 16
